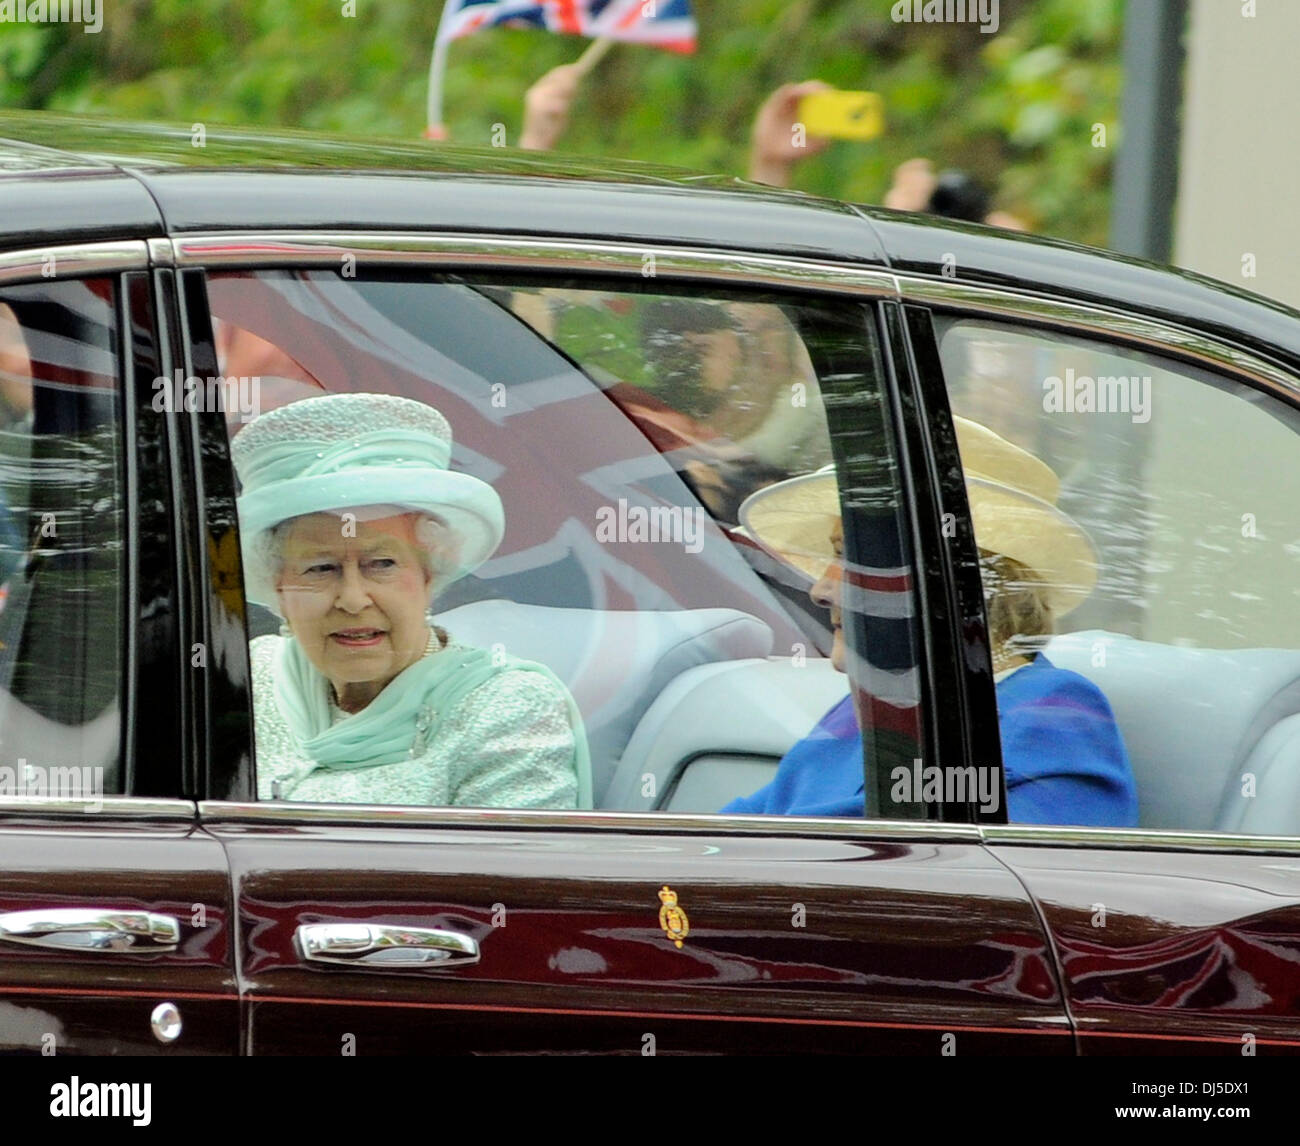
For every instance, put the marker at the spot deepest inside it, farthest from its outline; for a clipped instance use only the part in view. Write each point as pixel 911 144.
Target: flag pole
pixel 434 127
pixel 594 53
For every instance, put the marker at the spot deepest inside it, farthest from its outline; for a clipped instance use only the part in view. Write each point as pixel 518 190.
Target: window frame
pixel 926 300
pixel 514 256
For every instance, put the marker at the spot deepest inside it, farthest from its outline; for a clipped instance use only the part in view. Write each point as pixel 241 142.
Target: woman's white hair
pixel 438 546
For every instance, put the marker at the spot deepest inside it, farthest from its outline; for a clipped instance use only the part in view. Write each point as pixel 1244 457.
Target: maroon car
pixel 628 356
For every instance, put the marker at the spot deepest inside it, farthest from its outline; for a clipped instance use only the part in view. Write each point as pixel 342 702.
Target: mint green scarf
pixel 384 731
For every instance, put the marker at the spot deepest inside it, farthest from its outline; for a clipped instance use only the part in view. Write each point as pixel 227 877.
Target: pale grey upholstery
pixel 1194 722
pixel 718 731
pixel 615 663
pixel 709 782
pixel 1274 766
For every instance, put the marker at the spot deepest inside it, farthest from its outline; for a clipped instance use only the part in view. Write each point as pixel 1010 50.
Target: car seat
pixel 719 731
pixel 615 663
pixel 1195 722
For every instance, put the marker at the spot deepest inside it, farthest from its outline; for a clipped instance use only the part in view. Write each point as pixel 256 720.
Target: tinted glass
pixel 61 540
pixel 623 430
pixel 1139 524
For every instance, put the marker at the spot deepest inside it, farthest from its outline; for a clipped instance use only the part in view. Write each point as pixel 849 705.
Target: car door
pixel 647 923
pixel 1179 452
pixel 114 906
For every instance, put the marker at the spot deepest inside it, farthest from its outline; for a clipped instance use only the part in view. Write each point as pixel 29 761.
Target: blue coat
pixel 1062 754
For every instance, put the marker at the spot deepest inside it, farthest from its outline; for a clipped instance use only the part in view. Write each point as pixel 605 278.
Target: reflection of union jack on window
pixel 57 334
pixel 546 436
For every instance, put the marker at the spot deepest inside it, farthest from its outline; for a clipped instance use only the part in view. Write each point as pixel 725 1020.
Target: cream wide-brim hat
pixel 365 454
pixel 1012 497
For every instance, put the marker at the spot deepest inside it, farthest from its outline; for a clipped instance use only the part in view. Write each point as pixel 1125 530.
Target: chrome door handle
pixel 87 929
pixel 382 945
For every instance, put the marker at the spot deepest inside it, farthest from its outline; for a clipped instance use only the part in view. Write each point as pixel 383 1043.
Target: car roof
pixel 272 180
pixel 74 178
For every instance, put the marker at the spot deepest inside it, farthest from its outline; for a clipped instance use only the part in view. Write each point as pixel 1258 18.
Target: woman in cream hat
pixel 1062 754
pixel 351 521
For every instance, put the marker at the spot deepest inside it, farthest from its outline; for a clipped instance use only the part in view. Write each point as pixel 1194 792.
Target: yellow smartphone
pixel 843 115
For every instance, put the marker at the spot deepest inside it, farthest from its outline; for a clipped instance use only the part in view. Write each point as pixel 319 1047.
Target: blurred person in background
pixel 546 107
pixel 776 148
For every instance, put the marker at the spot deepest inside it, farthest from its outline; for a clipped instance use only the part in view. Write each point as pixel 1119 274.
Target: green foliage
pixel 1016 108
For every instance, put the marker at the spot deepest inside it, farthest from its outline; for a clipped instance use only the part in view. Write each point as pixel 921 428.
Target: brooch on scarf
pixel 423 722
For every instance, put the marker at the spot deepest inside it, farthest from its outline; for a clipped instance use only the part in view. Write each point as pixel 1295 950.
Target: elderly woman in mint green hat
pixel 351 522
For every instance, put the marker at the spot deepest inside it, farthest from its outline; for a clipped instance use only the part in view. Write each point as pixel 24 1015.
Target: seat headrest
pixel 614 663
pixel 1190 717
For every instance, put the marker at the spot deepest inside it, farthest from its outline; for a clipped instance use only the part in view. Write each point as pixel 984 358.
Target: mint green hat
pixel 343 452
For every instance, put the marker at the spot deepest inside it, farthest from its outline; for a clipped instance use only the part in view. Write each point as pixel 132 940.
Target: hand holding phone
pixel 843 115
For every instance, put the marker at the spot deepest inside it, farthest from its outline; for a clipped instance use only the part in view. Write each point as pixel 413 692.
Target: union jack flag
pixel 663 23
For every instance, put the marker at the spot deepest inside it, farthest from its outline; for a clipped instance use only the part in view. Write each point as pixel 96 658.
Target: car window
pixel 61 541
pixel 641 501
pixel 1140 546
